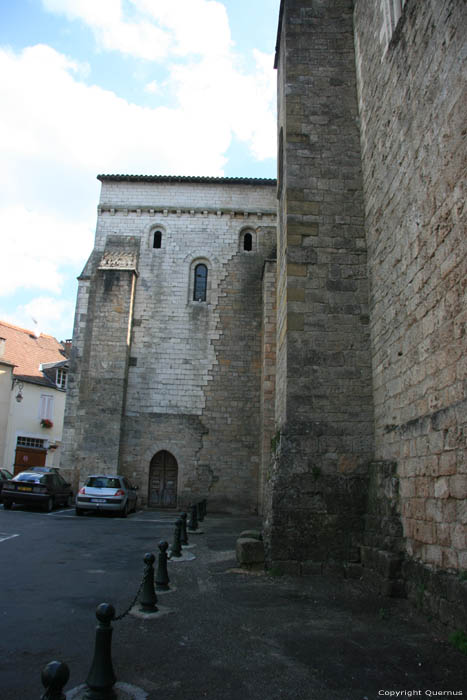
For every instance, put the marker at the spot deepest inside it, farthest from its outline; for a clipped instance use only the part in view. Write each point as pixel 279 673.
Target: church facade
pixel 297 348
pixel 167 339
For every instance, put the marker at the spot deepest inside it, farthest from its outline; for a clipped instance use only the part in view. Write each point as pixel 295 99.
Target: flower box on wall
pixel 46 423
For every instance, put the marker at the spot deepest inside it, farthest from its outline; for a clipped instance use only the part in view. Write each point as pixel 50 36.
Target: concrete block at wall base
pixel 387 564
pixel 354 571
pixel 251 534
pixel 289 568
pixel 312 568
pixel 249 550
pixel 391 588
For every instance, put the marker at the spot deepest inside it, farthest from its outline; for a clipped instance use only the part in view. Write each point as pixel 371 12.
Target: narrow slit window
pixel 157 240
pixel 248 242
pixel 201 283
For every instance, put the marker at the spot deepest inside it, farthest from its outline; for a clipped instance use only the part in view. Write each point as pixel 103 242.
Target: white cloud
pixel 209 84
pixel 36 246
pixel 179 27
pixel 152 88
pixel 90 11
pixel 44 315
pixel 57 131
pixel 49 117
pixel 194 26
pixel 142 39
pixel 215 91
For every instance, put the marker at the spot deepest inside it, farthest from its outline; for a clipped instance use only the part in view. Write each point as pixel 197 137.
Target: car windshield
pixel 103 482
pixel 27 476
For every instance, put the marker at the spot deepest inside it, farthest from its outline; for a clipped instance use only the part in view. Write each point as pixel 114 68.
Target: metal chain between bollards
pixel 133 602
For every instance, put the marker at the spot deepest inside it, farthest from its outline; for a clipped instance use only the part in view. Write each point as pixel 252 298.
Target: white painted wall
pixel 23 419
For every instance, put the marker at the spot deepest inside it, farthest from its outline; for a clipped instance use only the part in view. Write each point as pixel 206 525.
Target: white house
pixel 33 378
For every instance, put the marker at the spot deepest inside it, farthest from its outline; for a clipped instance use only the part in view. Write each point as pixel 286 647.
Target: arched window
pixel 248 242
pixel 200 283
pixel 157 240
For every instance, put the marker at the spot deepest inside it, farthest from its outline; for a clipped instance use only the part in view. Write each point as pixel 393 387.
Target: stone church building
pixel 298 348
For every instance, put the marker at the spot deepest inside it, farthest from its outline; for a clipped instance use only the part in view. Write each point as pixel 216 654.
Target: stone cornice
pixel 163 210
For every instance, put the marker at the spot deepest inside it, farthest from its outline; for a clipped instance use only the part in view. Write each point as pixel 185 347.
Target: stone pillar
pixel 268 373
pixel 324 415
pixel 100 365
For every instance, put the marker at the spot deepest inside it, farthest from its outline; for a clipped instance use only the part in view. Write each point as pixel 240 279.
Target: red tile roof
pixel 26 351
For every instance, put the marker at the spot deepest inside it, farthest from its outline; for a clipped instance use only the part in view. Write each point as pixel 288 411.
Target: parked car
pixel 107 492
pixel 37 488
pixel 44 469
pixel 5 475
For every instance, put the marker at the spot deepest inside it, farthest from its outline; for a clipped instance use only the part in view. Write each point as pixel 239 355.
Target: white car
pixel 107 492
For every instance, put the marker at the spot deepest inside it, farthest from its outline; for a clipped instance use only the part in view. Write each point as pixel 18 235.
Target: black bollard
pixel 148 597
pixel 176 550
pixel 183 533
pixel 54 677
pixel 162 575
pixel 101 678
pixel 201 511
pixel 193 524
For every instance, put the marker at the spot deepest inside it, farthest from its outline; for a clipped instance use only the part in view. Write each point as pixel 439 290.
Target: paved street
pixel 229 635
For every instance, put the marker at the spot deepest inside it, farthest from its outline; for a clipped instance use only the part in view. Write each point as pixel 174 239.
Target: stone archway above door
pixel 163 476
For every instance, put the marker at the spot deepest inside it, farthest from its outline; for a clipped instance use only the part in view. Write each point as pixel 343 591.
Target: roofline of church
pixel 278 38
pixel 189 178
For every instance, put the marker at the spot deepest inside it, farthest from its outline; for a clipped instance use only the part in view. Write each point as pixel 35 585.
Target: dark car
pixel 46 490
pixel 44 469
pixel 5 475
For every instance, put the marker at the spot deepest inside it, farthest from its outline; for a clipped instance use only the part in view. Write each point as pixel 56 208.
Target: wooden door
pixel 27 457
pixel 163 473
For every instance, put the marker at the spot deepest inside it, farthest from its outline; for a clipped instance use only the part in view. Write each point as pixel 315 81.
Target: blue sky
pixel 117 86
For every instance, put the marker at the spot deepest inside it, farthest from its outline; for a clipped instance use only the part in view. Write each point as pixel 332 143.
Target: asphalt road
pixel 228 635
pixel 55 569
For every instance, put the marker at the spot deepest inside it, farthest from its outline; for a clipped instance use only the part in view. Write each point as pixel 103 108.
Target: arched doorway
pixel 163 473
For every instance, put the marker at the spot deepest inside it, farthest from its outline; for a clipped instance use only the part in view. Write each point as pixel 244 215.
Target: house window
pixel 29 442
pixel 248 242
pixel 61 378
pixel 200 282
pixel 46 407
pixel 157 239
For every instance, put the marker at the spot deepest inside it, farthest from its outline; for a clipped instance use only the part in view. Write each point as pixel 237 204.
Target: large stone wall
pixel 412 100
pixel 347 430
pixel 191 369
pixel 324 413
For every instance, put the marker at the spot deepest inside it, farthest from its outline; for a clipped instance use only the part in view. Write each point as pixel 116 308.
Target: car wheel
pixel 78 511
pixel 7 505
pixel 49 505
pixel 124 511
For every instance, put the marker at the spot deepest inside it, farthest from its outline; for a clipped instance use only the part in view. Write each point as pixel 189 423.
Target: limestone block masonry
pixel 310 366
pixel 412 104
pixel 316 495
pixel 370 470
pixel 156 370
